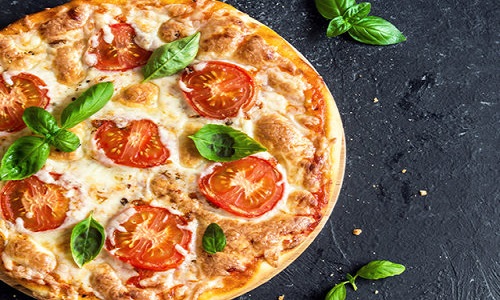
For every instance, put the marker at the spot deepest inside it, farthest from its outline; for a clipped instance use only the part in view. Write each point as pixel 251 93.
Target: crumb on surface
pixel 375 292
pixel 282 297
pixel 422 192
pixel 357 231
pixel 404 171
pixel 375 100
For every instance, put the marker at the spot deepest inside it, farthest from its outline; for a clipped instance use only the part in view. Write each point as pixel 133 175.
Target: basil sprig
pixel 172 57
pixel 213 240
pixel 347 16
pixel 223 143
pixel 87 240
pixel 28 154
pixel 374 270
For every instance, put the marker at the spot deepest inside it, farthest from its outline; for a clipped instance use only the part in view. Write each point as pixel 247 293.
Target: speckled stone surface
pixel 437 117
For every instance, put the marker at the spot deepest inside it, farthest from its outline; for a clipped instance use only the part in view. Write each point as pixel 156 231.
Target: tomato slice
pixel 26 90
pixel 148 238
pixel 42 206
pixel 122 53
pixel 248 187
pixel 218 89
pixel 136 145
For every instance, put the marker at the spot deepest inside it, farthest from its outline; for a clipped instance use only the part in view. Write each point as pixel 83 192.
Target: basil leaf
pixel 40 121
pixel 223 143
pixel 24 157
pixel 65 141
pixel 357 12
pixel 331 9
pixel 90 102
pixel 87 240
pixel 214 239
pixel 379 269
pixel 338 292
pixel 337 26
pixel 376 31
pixel 172 57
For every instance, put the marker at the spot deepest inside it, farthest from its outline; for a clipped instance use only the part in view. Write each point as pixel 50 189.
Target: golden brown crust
pixel 308 142
pixel 139 95
pixel 68 64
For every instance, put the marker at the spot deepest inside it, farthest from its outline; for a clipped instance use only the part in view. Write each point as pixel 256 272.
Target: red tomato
pixel 136 145
pixel 122 53
pixel 41 206
pixel 248 187
pixel 27 90
pixel 218 89
pixel 149 237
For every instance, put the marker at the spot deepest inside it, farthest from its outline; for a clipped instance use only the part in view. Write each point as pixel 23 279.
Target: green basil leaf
pixel 357 12
pixel 338 292
pixel 223 143
pixel 40 121
pixel 65 141
pixel 87 240
pixel 337 26
pixel 90 102
pixel 214 239
pixel 379 269
pixel 376 31
pixel 24 157
pixel 172 57
pixel 331 9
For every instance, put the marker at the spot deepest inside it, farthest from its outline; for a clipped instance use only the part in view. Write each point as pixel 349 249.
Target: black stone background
pixel 437 117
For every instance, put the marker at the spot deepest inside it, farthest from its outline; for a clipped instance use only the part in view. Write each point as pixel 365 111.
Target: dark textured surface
pixel 438 117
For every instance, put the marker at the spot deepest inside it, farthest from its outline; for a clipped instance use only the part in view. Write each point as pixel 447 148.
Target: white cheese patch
pixel 107 34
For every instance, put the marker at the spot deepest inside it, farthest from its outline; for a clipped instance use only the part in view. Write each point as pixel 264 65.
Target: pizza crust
pixel 247 42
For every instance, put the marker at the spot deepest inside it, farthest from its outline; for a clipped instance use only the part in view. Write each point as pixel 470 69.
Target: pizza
pixel 173 149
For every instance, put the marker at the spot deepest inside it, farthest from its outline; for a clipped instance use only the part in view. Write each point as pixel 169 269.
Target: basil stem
pixel 214 239
pixel 222 143
pixel 376 31
pixel 87 240
pixel 172 57
pixel 24 157
pixel 90 102
pixel 352 280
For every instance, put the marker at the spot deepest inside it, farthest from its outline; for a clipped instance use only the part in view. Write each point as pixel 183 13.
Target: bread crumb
pixel 357 231
pixel 375 100
pixel 282 297
pixel 403 171
pixel 422 192
pixel 376 292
